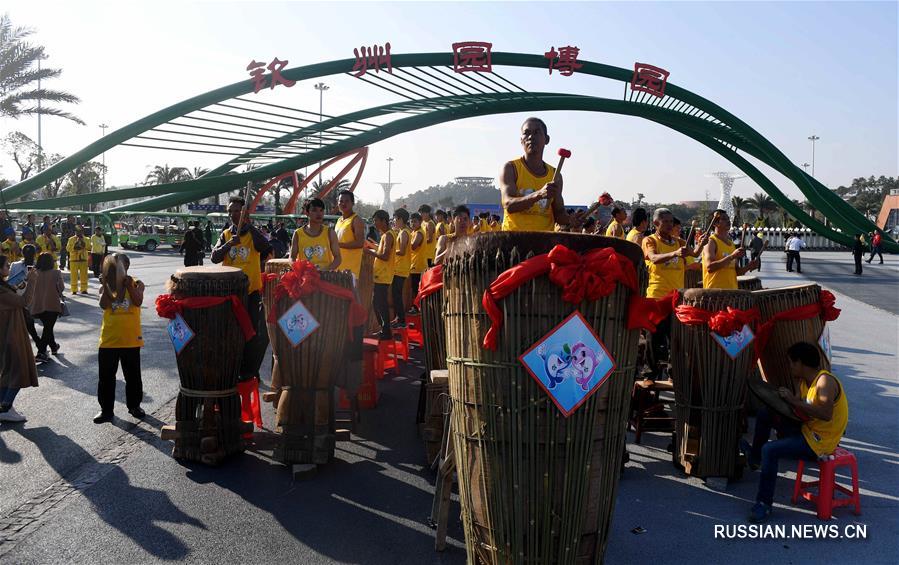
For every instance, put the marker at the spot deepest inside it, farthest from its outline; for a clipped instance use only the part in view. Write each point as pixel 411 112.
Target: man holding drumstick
pixel 719 269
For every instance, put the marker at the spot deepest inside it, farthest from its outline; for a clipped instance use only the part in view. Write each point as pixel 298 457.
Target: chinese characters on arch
pixel 258 73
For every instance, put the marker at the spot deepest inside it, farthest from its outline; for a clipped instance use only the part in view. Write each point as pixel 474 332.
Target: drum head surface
pixel 208 272
pixel 769 396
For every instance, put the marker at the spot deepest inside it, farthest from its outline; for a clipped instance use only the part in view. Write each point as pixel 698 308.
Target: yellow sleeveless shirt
pixel 316 250
pixel 419 260
pixel 725 277
pixel 350 259
pixel 11 250
pixel 429 249
pixel 612 228
pixel 824 437
pixel 667 276
pixel 245 257
pixel 538 217
pixel 121 325
pixel 634 235
pixel 383 268
pixel 403 262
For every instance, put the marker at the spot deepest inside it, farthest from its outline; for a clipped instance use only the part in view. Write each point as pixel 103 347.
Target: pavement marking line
pixel 420 528
pixel 29 516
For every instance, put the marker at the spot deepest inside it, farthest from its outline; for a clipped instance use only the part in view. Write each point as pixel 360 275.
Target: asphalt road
pixel 75 492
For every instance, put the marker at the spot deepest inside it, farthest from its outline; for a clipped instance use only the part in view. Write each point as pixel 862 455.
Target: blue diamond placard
pixel 180 333
pixel 735 342
pixel 297 323
pixel 570 363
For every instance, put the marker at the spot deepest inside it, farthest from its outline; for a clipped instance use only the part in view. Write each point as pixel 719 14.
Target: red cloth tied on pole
pixel 823 308
pixel 431 282
pixel 168 306
pixel 722 322
pixel 592 275
pixel 303 279
pixel 646 313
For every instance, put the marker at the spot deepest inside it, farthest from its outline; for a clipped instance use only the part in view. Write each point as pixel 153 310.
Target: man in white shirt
pixel 794 245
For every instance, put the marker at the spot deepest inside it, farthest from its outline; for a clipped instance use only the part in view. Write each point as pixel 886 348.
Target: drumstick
pixel 743 235
pixel 246 211
pixel 712 223
pixel 690 233
pixel 563 154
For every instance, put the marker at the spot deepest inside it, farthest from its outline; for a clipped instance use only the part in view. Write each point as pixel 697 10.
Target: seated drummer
pixel 461 222
pixel 316 242
pixel 532 201
pixel 665 254
pixel 821 398
pixel 247 251
pixel 719 268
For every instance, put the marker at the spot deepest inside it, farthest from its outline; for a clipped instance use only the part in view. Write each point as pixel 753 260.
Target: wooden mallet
pixel 563 154
pixel 245 213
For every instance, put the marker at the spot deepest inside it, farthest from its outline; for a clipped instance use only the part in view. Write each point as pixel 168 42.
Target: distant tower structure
pixel 387 204
pixel 727 183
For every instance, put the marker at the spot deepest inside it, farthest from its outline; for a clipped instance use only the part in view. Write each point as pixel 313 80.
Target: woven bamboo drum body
pixel 747 282
pixel 305 412
pixel 209 428
pixel 436 390
pixel 773 362
pixel 693 279
pixel 709 389
pixel 535 487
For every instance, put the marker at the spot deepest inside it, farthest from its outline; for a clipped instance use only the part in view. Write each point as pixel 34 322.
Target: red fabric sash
pixel 303 279
pixel 824 308
pixel 431 282
pixel 647 313
pixel 167 306
pixel 590 276
pixel 722 322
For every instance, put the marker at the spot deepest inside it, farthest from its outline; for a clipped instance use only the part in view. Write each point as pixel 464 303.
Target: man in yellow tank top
pixel 10 247
pixel 719 260
pixel 350 233
pixel 430 233
pixel 383 268
pixel 822 399
pixel 248 251
pixel 48 242
pixel 616 226
pixel 314 241
pixel 530 198
pixel 419 262
pixel 665 255
pixel 639 223
pixel 461 222
pixel 402 267
pixel 442 228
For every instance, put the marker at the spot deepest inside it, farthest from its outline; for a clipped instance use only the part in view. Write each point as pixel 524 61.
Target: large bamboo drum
pixel 535 487
pixel 709 389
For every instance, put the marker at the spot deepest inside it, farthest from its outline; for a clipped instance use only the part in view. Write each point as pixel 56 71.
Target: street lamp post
pixel 805 167
pixel 104 127
pixel 813 138
pixel 321 88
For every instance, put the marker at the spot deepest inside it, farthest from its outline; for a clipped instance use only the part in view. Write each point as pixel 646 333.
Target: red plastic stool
pixel 385 359
pixel 827 484
pixel 249 402
pixel 403 334
pixel 413 322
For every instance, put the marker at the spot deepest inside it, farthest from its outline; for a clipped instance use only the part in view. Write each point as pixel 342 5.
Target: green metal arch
pixel 731 131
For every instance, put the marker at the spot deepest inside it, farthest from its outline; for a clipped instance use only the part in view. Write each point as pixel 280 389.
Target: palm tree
pixel 763 203
pixel 163 174
pixel 19 76
pixel 196 173
pixel 738 204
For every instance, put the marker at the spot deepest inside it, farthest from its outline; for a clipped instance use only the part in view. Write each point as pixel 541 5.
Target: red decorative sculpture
pixel 649 79
pixel 258 74
pixel 472 56
pixel 374 58
pixel 564 61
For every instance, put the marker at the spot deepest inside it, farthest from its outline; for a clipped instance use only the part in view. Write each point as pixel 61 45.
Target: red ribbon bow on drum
pixel 431 282
pixel 167 306
pixel 722 322
pixel 590 276
pixel 824 307
pixel 303 279
pixel 647 313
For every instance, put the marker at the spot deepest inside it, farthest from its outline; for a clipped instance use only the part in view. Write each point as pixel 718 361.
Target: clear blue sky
pixel 787 69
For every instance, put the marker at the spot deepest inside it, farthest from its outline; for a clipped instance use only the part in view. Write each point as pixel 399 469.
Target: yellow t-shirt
pixel 614 227
pixel 45 244
pixel 316 250
pixel 634 236
pixel 121 325
pixel 496 227
pixel 419 260
pixel 667 276
pixel 403 263
pixel 78 249
pixel 383 268
pixel 483 226
pixel 824 437
pixel 725 277
pixel 437 234
pixel 430 249
pixel 350 259
pixel 245 257
pixel 12 250
pixel 98 244
pixel 538 217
